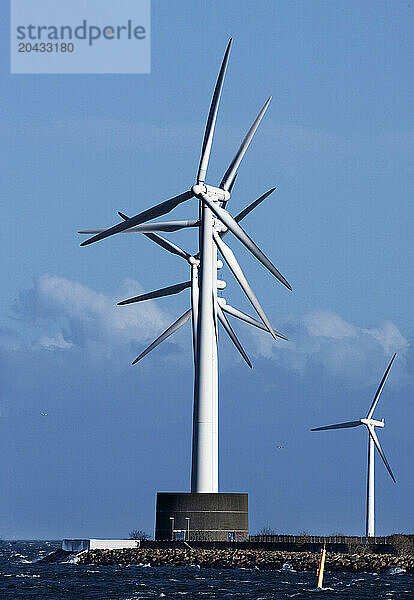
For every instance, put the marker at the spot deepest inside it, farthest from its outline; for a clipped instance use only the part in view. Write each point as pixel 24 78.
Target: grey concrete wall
pixel 211 516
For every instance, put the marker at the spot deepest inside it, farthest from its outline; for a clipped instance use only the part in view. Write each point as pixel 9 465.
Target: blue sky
pixel 338 142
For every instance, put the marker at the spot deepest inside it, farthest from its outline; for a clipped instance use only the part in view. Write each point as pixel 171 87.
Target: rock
pixel 246 558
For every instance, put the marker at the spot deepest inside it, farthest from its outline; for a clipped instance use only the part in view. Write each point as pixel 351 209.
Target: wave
pixel 395 571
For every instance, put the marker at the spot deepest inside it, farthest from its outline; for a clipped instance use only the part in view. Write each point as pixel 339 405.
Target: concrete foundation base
pixel 201 517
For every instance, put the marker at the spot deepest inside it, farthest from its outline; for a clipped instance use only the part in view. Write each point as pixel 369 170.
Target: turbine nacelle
pixel 373 422
pixel 214 193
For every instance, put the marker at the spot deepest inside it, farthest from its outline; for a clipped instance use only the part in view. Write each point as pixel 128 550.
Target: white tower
pixel 204 470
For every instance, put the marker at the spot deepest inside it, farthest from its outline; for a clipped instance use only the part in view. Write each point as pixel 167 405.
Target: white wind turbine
pixel 373 441
pixel 213 223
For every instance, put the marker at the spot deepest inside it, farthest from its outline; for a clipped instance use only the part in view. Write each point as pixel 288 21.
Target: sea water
pixel 22 577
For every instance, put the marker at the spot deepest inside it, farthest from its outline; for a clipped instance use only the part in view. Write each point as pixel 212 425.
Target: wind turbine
pixel 373 442
pixel 213 223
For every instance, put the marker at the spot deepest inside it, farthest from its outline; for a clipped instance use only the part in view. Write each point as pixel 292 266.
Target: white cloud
pixel 70 317
pixel 328 324
pixel 389 337
pixel 50 343
pixel 345 351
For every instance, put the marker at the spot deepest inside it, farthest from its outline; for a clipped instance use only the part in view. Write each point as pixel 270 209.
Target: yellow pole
pixel 321 568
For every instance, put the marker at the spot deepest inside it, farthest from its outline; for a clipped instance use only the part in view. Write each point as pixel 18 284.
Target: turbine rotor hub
pixel 199 189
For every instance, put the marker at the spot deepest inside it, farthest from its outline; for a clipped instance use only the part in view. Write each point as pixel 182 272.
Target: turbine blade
pixel 223 320
pixel 379 390
pixel 171 329
pixel 212 116
pixel 91 231
pixel 231 186
pixel 166 244
pixel 234 165
pixel 150 227
pixel 235 228
pixel 338 426
pixel 253 205
pixel 235 268
pixel 235 312
pixel 167 291
pixel 146 215
pixel 248 209
pixel 373 435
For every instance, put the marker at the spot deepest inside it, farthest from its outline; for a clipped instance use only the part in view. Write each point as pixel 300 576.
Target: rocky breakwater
pixel 247 559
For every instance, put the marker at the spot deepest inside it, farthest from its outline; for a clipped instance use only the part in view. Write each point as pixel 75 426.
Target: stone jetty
pixel 247 559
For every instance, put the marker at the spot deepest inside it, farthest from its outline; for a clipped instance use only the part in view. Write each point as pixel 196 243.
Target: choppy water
pixel 21 578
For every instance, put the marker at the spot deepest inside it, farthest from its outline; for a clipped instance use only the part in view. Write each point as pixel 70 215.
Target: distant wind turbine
pixel 373 441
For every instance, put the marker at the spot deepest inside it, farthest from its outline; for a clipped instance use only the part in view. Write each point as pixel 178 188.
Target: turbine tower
pixel 373 442
pixel 213 223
